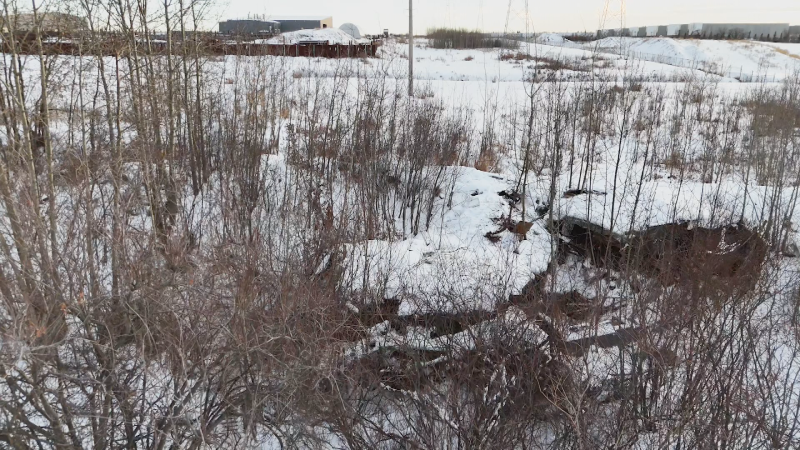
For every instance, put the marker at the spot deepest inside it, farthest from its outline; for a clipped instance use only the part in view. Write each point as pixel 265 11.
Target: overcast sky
pixel 490 15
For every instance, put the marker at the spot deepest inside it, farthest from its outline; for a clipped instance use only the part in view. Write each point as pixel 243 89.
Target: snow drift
pixel 332 36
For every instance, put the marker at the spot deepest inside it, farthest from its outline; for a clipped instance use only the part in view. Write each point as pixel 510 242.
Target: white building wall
pixel 695 28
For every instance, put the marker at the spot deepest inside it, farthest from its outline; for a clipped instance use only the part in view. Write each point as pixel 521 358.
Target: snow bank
pixel 330 35
pixel 732 57
pixel 454 267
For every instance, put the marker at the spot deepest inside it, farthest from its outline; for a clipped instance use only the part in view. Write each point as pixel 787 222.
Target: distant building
pixel 249 26
pixel 743 30
pixel 758 31
pixel 695 29
pixel 263 24
pixel 351 29
pixel 297 23
pixel 46 22
pixel 678 29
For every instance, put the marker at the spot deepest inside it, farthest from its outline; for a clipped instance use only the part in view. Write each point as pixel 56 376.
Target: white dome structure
pixel 351 29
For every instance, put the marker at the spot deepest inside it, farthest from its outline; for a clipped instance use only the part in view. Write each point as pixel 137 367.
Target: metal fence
pixel 111 44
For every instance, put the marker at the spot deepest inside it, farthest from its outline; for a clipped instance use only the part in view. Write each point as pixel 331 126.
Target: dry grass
pixel 424 92
pixel 488 159
pixel 519 56
pixel 544 62
pixel 787 53
pixel 464 38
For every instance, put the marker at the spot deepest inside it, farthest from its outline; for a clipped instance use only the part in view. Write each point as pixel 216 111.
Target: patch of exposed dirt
pixel 729 257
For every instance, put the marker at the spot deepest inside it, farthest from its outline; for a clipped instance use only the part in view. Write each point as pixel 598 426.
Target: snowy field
pixel 453 268
pixel 330 194
pixel 732 59
pixel 664 59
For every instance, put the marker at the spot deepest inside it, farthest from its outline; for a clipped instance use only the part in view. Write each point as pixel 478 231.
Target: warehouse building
pixel 297 23
pixel 657 30
pixel 678 29
pixel 249 26
pixel 760 31
pixel 263 24
pixel 742 30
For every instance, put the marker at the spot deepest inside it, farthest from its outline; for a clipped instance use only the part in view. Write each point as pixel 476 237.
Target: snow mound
pixel 453 267
pixel 743 56
pixel 332 36
pixel 554 39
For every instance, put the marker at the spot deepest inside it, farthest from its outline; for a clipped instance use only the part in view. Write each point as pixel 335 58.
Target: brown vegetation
pixel 175 242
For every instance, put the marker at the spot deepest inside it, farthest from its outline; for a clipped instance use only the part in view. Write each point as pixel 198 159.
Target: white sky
pixel 490 15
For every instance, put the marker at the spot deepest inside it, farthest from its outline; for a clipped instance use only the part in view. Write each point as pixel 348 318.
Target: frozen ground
pixel 581 64
pixel 484 83
pixel 452 265
pixel 733 59
pixel 454 259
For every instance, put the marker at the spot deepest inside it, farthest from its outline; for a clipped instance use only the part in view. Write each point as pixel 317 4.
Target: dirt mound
pixel 730 256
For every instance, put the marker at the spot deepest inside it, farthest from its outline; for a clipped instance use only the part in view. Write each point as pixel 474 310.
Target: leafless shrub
pixel 464 39
pixel 175 237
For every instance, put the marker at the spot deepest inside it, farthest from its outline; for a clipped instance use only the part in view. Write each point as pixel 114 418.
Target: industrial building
pixel 743 30
pixel 297 23
pixel 655 30
pixel 760 31
pixel 46 22
pixel 249 26
pixel 678 29
pixel 263 24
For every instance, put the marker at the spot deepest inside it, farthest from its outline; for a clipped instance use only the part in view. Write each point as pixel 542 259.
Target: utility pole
pixel 410 48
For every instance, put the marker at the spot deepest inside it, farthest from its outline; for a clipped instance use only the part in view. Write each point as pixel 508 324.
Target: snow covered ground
pixel 733 59
pixel 581 63
pixel 467 259
pixel 555 39
pixel 452 267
